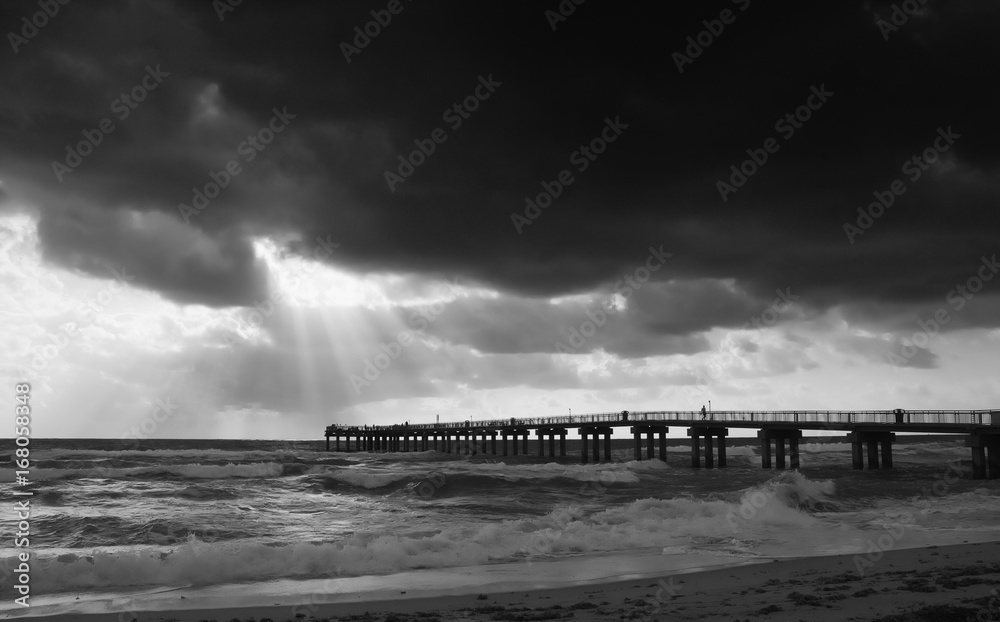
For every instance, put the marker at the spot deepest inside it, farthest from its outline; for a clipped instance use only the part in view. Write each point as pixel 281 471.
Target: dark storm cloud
pixel 154 250
pixel 890 351
pixel 655 184
pixel 514 325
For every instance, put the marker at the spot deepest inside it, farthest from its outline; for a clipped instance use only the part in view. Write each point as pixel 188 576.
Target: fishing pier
pixel 869 432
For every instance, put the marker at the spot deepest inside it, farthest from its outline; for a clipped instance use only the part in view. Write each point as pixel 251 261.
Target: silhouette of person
pixel 704 414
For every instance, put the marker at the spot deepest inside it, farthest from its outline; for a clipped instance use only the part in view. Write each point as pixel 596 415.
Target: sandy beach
pixel 939 584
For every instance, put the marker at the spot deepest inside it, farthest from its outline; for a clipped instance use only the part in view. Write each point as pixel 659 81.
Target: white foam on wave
pixel 366 479
pixel 568 530
pixel 191 471
pixel 374 477
pixel 199 454
pixel 821 448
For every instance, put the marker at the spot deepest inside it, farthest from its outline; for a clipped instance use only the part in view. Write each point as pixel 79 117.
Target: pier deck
pixel 874 428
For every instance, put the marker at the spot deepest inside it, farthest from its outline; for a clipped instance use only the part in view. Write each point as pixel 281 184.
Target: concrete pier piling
pixel 552 433
pixel 651 433
pixel 708 433
pixel 779 436
pixel 591 441
pixel 875 440
pixel 985 455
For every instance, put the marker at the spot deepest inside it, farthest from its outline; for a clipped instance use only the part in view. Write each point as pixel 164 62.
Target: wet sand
pixel 926 584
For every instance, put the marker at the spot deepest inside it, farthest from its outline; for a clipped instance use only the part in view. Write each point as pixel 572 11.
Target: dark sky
pixel 889 95
pixel 656 185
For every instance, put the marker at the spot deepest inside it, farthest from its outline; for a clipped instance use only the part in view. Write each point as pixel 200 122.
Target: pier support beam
pixel 708 433
pixel 985 455
pixel 551 433
pixel 874 439
pixel 651 432
pixel 873 455
pixel 591 439
pixel 779 436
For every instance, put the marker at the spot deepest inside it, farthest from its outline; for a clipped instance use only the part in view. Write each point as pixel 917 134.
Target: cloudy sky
pixel 251 221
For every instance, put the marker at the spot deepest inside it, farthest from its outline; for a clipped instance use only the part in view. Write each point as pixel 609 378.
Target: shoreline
pixel 960 581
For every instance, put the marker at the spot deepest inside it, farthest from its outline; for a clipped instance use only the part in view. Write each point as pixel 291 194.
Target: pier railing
pixel 846 417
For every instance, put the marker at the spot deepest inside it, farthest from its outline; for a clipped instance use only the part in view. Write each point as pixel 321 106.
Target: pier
pixel 869 432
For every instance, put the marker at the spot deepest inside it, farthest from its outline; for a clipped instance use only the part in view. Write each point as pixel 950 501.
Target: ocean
pixel 110 518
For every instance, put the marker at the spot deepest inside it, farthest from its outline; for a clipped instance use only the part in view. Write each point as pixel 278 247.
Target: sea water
pixel 265 517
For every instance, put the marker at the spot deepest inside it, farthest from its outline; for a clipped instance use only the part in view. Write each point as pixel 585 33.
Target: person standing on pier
pixel 703 413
